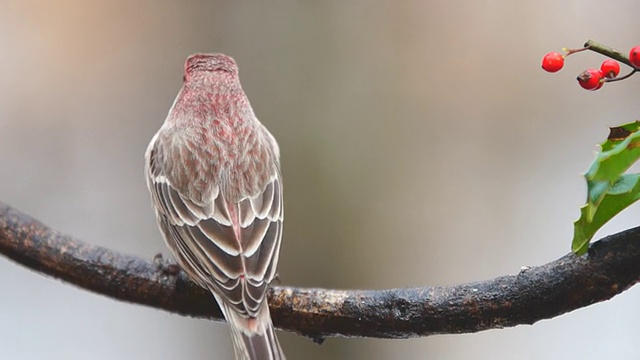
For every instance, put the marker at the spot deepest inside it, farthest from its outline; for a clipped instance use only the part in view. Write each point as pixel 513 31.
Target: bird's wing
pixel 202 237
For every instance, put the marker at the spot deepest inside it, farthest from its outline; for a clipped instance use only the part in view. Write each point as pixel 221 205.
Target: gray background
pixel 421 145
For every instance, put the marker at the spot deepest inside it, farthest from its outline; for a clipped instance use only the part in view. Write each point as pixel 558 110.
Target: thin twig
pixel 609 52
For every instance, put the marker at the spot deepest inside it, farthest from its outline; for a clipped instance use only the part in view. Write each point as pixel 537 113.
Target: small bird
pixel 213 171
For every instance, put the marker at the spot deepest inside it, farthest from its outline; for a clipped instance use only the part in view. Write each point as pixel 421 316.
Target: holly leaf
pixel 622 194
pixel 608 190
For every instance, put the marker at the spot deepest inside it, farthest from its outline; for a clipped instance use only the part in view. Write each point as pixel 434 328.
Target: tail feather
pixel 253 338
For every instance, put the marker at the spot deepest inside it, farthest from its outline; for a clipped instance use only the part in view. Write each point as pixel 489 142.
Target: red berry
pixel 610 68
pixel 590 79
pixel 600 84
pixel 634 56
pixel 552 62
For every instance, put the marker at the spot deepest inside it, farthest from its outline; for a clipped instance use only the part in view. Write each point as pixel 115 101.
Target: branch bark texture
pixel 536 293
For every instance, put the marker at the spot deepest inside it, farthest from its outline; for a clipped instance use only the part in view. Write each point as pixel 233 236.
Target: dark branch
pixel 536 293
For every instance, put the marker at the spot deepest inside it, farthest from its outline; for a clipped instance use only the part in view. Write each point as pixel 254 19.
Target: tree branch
pixel 536 293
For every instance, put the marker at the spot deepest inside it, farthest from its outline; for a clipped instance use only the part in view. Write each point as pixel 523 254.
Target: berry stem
pixel 621 77
pixel 573 51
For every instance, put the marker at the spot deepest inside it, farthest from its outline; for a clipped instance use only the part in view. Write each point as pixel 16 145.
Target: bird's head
pixel 202 63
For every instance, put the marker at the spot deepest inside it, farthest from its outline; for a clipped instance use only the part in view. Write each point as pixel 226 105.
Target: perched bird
pixel 213 171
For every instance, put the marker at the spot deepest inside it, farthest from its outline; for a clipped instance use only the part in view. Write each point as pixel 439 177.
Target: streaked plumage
pixel 214 176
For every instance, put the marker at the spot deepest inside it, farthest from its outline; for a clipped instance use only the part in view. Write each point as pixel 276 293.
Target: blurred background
pixel 421 145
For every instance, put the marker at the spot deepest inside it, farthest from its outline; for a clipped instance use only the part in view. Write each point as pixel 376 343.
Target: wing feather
pixel 238 266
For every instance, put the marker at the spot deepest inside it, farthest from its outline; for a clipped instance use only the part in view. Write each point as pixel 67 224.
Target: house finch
pixel 213 171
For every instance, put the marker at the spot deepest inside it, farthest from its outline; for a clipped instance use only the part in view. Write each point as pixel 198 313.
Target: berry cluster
pixel 594 79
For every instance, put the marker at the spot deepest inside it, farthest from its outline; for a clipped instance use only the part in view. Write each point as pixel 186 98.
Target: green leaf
pixel 617 155
pixel 608 190
pixel 622 194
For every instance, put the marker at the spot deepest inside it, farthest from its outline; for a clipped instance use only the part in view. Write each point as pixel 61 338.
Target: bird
pixel 213 173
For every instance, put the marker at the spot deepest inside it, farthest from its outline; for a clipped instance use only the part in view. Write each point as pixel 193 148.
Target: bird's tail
pixel 254 338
